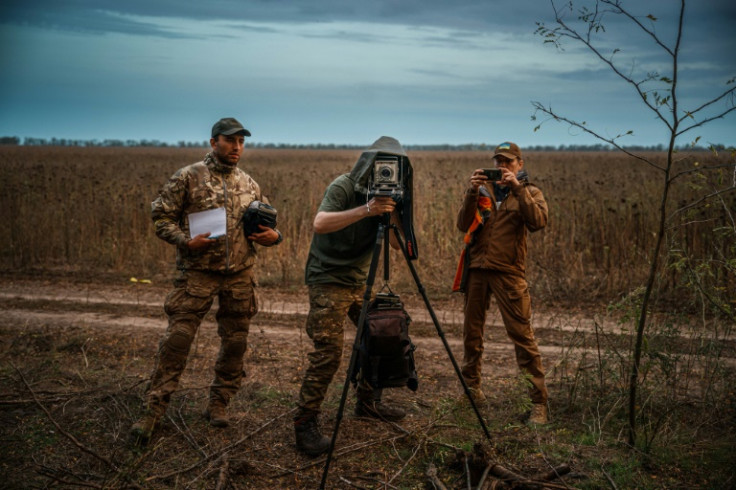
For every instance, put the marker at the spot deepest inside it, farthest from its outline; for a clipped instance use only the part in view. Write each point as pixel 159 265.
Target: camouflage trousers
pixel 186 305
pixel 329 304
pixel 514 303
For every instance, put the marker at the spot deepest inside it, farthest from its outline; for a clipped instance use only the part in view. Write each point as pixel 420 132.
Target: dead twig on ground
pixel 218 454
pixel 186 432
pixel 434 479
pixel 66 434
pixel 342 478
pixel 222 478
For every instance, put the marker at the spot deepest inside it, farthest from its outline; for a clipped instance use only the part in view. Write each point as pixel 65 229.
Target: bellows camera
pixel 386 178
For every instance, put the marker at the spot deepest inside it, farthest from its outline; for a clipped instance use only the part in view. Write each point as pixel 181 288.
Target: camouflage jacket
pixel 198 187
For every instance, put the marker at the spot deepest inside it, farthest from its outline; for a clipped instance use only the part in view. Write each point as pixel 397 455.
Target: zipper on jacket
pixel 227 232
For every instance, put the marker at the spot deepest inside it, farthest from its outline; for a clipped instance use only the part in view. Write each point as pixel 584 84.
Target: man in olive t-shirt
pixel 345 231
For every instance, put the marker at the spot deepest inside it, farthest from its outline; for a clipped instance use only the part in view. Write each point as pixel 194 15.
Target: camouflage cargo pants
pixel 186 305
pixel 328 306
pixel 514 303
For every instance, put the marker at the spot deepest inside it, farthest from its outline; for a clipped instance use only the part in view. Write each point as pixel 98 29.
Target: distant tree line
pixel 28 141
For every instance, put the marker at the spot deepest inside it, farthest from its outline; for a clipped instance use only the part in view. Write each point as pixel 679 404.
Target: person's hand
pixel 267 236
pixel 380 205
pixel 509 178
pixel 200 242
pixel 477 179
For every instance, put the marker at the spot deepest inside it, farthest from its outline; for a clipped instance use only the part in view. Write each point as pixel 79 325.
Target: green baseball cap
pixel 229 126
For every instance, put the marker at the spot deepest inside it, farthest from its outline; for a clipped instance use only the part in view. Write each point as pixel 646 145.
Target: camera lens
pixel 386 172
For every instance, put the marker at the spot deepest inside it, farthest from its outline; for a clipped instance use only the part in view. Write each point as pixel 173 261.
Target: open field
pixel 88 208
pixel 78 337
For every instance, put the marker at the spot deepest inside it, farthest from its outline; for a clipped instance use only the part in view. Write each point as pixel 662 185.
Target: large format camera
pixel 387 178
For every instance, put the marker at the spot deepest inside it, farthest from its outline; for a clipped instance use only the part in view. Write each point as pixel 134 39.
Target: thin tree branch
pixel 700 201
pixel 540 107
pixel 66 434
pixel 705 121
pixel 573 34
pixel 218 454
pixel 617 5
pixel 709 103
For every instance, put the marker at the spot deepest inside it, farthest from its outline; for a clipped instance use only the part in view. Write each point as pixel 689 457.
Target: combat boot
pixel 538 415
pixel 309 439
pixel 142 430
pixel 217 414
pixel 477 395
pixel 379 410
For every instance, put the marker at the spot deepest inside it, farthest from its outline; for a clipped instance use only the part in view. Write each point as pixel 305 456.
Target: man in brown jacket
pixel 496 217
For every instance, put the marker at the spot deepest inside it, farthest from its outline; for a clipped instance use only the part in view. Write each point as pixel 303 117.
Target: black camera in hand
pixel 258 213
pixel 493 174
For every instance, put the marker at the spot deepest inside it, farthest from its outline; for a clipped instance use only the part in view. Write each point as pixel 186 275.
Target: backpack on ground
pixel 386 355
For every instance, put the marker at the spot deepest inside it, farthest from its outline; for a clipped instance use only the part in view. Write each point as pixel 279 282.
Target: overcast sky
pixel 344 71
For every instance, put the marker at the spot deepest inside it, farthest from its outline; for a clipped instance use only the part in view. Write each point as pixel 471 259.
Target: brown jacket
pixel 500 244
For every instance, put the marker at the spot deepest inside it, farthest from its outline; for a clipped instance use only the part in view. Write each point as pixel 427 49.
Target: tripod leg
pixel 441 334
pixel 356 345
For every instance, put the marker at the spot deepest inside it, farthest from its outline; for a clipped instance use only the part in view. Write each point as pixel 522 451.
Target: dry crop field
pixel 78 337
pixel 87 209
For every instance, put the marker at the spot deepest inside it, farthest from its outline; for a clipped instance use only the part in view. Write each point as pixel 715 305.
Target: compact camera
pixel 387 177
pixel 493 174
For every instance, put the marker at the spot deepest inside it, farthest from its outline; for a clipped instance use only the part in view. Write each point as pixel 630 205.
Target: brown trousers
pixel 514 303
pixel 186 305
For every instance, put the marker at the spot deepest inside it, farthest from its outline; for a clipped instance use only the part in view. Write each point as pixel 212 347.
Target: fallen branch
pixel 186 433
pixel 552 474
pixel 66 434
pixel 222 478
pixel 222 451
pixel 434 479
pixel 416 449
pixel 342 478
pixel 344 451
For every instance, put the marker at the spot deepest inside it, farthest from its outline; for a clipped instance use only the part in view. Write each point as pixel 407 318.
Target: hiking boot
pixel 538 415
pixel 477 395
pixel 141 431
pixel 378 410
pixel 217 415
pixel 309 439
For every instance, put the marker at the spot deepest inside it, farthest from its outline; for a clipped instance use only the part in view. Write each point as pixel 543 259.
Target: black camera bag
pixel 386 355
pixel 258 213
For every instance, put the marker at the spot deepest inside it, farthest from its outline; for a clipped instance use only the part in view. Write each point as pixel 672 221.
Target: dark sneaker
pixel 142 430
pixel 217 415
pixel 379 410
pixel 309 439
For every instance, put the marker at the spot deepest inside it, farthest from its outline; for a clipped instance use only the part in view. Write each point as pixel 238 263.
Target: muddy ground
pixel 75 355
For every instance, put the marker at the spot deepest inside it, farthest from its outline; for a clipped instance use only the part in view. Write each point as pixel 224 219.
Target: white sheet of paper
pixel 212 220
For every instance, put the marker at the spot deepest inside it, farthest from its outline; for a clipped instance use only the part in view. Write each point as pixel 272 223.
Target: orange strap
pixel 484 204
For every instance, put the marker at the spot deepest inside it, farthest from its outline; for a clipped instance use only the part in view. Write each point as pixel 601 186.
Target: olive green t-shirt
pixel 344 256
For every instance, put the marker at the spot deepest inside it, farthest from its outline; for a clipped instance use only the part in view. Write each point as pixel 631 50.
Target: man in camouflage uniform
pixel 209 267
pixel 345 231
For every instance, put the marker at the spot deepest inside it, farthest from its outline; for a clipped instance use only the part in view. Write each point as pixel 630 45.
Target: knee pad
pixel 235 344
pixel 179 340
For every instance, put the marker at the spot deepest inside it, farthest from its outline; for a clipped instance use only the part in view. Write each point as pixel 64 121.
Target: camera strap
pixel 481 213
